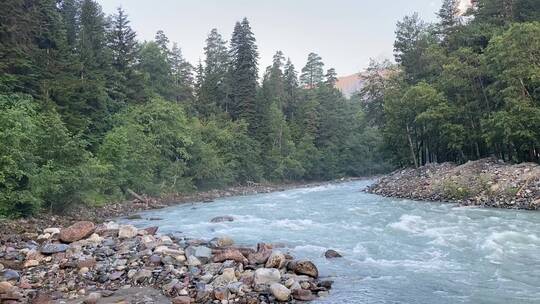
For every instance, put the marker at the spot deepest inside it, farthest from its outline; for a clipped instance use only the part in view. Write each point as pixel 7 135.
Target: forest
pixel 89 113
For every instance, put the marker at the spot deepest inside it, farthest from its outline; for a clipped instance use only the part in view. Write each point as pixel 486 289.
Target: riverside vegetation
pixel 90 115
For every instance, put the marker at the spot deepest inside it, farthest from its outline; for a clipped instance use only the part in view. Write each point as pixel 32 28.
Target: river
pixel 395 251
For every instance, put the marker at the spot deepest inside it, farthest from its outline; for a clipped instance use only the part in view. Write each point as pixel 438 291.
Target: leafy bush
pixel 41 163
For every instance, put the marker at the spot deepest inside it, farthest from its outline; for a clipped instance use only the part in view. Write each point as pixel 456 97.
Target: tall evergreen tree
pixel 182 73
pixel 162 41
pixel 312 73
pixel 213 86
pixel 290 82
pixel 330 77
pixel 244 70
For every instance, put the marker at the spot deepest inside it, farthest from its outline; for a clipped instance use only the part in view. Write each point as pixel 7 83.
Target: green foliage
pixel 106 114
pixel 41 164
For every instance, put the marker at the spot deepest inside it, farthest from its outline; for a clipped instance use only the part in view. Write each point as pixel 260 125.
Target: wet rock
pixel 276 260
pixel 77 231
pixel 151 230
pixel 326 284
pixel 230 254
pixel 304 267
pixel 330 254
pixel 127 232
pixel 53 248
pixel 1 266
pixel 133 217
pixel 220 219
pixel 223 241
pixel 9 275
pixel 261 256
pixel 303 295
pixel 266 276
pixel 280 292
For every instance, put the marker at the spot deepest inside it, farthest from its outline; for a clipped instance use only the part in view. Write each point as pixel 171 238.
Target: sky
pixel 345 33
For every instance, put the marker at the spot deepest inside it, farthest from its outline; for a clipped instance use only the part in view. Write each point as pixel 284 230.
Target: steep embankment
pixel 486 182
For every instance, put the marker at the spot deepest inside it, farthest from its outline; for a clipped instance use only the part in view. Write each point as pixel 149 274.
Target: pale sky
pixel 345 33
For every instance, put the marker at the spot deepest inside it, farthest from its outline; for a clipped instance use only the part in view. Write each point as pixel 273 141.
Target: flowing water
pixel 395 251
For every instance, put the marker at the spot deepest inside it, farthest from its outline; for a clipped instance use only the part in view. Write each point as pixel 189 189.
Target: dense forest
pixel 464 88
pixel 88 112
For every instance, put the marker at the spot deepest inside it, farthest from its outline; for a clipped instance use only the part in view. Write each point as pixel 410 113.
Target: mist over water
pixel 395 251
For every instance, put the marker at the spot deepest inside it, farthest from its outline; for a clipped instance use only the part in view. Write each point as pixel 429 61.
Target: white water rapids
pixel 395 251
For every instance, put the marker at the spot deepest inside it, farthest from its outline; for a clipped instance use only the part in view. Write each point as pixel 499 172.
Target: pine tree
pixel 290 80
pixel 243 77
pixel 70 10
pixel 162 41
pixel 330 77
pixel 213 86
pixel 182 73
pixel 125 51
pixel 449 15
pixel 312 73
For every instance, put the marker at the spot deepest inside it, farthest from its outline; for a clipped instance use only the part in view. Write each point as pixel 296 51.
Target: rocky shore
pixel 487 182
pixel 112 263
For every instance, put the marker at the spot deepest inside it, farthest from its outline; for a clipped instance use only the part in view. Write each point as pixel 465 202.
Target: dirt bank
pixel 486 182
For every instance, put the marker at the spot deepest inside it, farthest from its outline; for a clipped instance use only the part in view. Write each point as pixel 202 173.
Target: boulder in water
pixel 304 267
pixel 331 254
pixel 220 219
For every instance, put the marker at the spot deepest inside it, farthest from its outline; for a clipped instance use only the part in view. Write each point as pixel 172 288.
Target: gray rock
pixel 280 292
pixel 142 275
pixel 330 254
pixel 9 275
pixel 53 248
pixel 127 232
pixel 220 219
pixel 266 276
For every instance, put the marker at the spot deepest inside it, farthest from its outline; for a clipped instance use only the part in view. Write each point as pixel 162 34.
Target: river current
pixel 395 251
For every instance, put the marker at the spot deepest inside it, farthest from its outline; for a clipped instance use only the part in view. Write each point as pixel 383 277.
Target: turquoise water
pixel 395 251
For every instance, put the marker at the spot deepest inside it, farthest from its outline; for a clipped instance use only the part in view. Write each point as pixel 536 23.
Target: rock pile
pixel 486 182
pixel 87 263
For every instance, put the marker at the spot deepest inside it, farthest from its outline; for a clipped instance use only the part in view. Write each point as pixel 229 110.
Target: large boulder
pixel 266 276
pixel 280 292
pixel 261 256
pixel 9 275
pixel 304 267
pixel 223 241
pixel 77 231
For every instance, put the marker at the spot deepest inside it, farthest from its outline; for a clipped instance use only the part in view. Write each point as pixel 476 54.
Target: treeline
pixel 89 113
pixel 464 88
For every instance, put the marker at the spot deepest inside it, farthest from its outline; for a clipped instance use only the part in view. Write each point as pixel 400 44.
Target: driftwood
pixel 135 195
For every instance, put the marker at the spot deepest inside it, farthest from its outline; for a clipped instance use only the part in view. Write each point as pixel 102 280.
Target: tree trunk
pixel 413 155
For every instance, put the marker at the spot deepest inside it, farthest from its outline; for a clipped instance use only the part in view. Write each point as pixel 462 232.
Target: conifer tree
pixel 243 75
pixel 312 73
pixel 213 86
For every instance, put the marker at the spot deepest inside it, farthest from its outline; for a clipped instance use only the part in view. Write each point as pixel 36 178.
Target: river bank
pixel 126 208
pixel 487 182
pixel 107 262
pixel 111 263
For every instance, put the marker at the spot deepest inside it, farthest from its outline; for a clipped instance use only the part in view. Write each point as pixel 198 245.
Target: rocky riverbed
pixel 112 263
pixel 487 182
